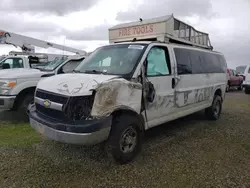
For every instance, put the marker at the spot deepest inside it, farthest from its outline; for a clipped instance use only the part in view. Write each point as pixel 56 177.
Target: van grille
pixel 52 96
pixel 74 108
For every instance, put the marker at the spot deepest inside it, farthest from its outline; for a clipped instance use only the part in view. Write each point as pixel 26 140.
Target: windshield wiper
pixel 95 71
pixel 76 71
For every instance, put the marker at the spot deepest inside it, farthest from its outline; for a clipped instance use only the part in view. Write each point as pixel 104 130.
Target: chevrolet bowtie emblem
pixel 47 103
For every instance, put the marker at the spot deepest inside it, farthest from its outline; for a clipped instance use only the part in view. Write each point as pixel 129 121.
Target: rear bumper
pixel 88 132
pixel 7 102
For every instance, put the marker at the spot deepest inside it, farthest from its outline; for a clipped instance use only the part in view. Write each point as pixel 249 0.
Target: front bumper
pixel 7 102
pixel 86 132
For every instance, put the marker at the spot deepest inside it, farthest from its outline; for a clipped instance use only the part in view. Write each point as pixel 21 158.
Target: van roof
pixel 164 29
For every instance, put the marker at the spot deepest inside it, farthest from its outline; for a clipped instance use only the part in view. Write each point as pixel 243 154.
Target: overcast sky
pixel 84 24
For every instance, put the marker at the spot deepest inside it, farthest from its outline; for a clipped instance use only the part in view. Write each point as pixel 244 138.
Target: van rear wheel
pixel 125 139
pixel 214 111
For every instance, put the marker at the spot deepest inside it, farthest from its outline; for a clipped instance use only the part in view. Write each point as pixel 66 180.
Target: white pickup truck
pixel 17 85
pixel 24 61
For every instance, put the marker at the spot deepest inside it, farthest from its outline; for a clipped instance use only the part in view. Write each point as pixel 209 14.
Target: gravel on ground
pixel 189 152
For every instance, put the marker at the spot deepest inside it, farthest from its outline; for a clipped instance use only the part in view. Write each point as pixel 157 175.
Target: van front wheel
pixel 125 140
pixel 214 111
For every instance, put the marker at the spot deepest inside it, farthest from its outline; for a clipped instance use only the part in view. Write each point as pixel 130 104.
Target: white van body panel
pixel 193 92
pixel 111 92
pixel 73 84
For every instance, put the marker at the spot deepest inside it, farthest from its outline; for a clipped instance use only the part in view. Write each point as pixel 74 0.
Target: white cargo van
pixel 141 80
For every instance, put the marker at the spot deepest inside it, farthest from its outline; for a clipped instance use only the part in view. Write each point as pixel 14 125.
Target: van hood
pixel 20 73
pixel 73 84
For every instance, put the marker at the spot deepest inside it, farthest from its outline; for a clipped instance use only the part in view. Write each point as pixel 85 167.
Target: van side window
pixel 183 61
pixel 197 62
pixel 158 63
pixel 191 61
pixel 214 63
pixel 249 70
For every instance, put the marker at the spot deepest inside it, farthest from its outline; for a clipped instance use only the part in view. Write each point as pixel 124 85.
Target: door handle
pixel 173 83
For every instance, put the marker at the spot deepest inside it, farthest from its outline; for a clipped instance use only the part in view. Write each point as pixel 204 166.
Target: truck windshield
pixel 53 64
pixel 117 59
pixel 241 69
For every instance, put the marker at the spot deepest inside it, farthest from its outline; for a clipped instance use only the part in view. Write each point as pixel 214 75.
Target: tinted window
pixel 158 62
pixel 197 62
pixel 249 70
pixel 183 61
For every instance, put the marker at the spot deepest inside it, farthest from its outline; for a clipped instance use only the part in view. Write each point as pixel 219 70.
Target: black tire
pixel 24 102
pixel 247 91
pixel 227 87
pixel 122 126
pixel 240 87
pixel 214 111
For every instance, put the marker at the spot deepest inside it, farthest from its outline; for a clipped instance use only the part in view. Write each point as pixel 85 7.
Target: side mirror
pixel 6 66
pixel 237 75
pixel 150 92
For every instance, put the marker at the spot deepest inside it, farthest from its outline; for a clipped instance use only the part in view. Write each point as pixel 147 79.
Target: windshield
pixel 117 59
pixel 53 64
pixel 241 69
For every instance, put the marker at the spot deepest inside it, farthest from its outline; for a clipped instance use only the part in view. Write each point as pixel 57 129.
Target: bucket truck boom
pixel 27 44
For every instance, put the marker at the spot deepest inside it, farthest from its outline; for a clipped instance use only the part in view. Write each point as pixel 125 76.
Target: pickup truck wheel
pixel 214 111
pixel 125 139
pixel 24 103
pixel 247 91
pixel 240 87
pixel 227 87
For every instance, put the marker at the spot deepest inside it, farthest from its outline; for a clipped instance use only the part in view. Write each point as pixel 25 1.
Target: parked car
pixel 234 80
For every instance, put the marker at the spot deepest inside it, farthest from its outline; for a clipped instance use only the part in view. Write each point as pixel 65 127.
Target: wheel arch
pixel 131 112
pixel 218 91
pixel 23 93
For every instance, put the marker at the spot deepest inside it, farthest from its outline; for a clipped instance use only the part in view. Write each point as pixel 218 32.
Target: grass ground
pixel 190 152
